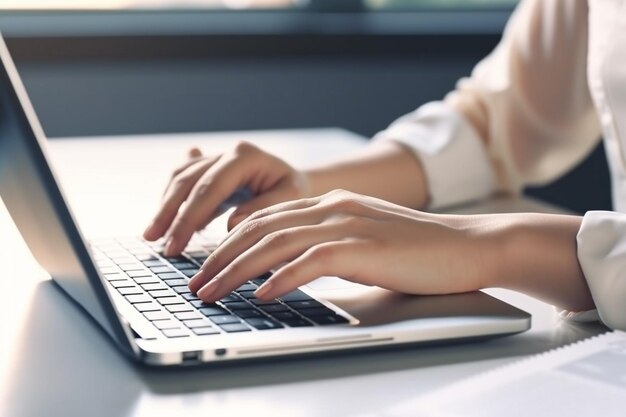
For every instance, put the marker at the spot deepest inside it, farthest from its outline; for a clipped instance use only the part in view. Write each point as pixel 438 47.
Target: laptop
pixel 141 299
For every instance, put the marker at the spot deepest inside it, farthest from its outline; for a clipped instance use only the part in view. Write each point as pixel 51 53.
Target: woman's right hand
pixel 198 188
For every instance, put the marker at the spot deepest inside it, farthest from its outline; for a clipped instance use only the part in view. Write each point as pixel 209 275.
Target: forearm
pixel 538 257
pixel 383 170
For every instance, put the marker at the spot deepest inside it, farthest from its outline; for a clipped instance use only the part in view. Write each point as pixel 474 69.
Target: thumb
pixel 262 201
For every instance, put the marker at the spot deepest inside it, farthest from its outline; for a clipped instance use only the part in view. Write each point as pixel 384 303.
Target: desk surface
pixel 55 362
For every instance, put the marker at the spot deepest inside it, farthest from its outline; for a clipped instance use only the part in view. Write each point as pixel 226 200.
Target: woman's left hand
pixel 357 238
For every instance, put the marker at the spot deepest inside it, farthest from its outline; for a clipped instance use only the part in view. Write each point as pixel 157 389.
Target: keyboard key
pixel 246 314
pixel 155 286
pixel 150 306
pixel 169 275
pixel 330 319
pixel 197 323
pixel 235 327
pixel 188 315
pixel 147 280
pixel 156 315
pixel 108 270
pixel 166 301
pixel 190 297
pixel 115 277
pixel 122 283
pixel 166 324
pixel 175 259
pixel 189 272
pixel 246 294
pixel 138 298
pixel 274 308
pixel 181 289
pixel 175 333
pixel 285 315
pixel 178 308
pixel 297 323
pixel 162 293
pixel 312 312
pixel 153 262
pixel 205 331
pixel 296 295
pixel 145 257
pixel 226 319
pixel 161 269
pixel 212 311
pixel 258 302
pixel 176 282
pixel 131 267
pixel 246 287
pixel 139 273
pixel 297 305
pixel 262 278
pixel 264 324
pixel 200 304
pixel 184 265
pixel 230 298
pixel 130 290
pixel 200 259
pixel 241 305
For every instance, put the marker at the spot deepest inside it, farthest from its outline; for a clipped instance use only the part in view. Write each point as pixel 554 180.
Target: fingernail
pixel 207 291
pixel 149 231
pixel 195 278
pixel 263 289
pixel 170 247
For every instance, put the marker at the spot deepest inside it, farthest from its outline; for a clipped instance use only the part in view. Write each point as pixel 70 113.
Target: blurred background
pixel 106 67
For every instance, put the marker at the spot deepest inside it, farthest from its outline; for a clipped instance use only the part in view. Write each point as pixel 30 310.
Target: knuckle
pixel 275 239
pixel 252 228
pixel 322 255
pixel 181 180
pixel 201 190
pixel 346 203
pixel 243 147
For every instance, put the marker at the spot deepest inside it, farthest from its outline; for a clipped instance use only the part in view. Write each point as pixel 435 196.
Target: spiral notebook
pixel 587 378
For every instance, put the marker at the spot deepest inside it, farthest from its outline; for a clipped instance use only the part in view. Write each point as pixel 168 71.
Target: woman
pixel 530 111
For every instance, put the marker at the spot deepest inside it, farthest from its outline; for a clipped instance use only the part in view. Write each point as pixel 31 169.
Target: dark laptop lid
pixel 36 204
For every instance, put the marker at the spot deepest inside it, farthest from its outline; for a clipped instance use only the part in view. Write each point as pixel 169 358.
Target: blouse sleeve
pixel 602 256
pixel 523 117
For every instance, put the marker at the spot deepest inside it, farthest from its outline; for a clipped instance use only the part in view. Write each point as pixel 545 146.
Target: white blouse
pixel 530 111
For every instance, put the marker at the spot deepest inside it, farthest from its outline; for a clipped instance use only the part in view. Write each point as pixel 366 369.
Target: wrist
pixel 537 255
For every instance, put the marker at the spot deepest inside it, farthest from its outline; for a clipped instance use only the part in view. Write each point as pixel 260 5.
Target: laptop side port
pixel 191 357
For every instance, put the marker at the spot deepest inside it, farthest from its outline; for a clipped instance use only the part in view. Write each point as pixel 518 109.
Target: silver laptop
pixel 141 299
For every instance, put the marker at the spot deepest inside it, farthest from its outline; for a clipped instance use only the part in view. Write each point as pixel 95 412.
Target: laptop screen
pixel 35 202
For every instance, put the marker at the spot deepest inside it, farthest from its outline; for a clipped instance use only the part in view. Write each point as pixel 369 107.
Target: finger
pixel 176 193
pixel 292 205
pixel 214 186
pixel 253 233
pixel 274 249
pixel 195 153
pixel 194 156
pixel 329 258
pixel 278 194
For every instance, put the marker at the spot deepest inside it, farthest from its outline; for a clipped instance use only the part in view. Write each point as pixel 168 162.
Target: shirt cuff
pixel 601 250
pixel 452 154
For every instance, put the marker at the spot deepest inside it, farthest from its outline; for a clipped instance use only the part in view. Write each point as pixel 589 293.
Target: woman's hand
pixel 358 238
pixel 198 188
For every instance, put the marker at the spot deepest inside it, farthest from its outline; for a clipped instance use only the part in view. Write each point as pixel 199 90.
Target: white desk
pixel 55 362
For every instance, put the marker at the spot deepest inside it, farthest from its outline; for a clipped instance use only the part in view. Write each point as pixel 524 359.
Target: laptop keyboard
pixel 157 287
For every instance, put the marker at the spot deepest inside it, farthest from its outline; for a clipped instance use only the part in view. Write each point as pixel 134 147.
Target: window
pixel 438 4
pixel 145 4
pixel 252 4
